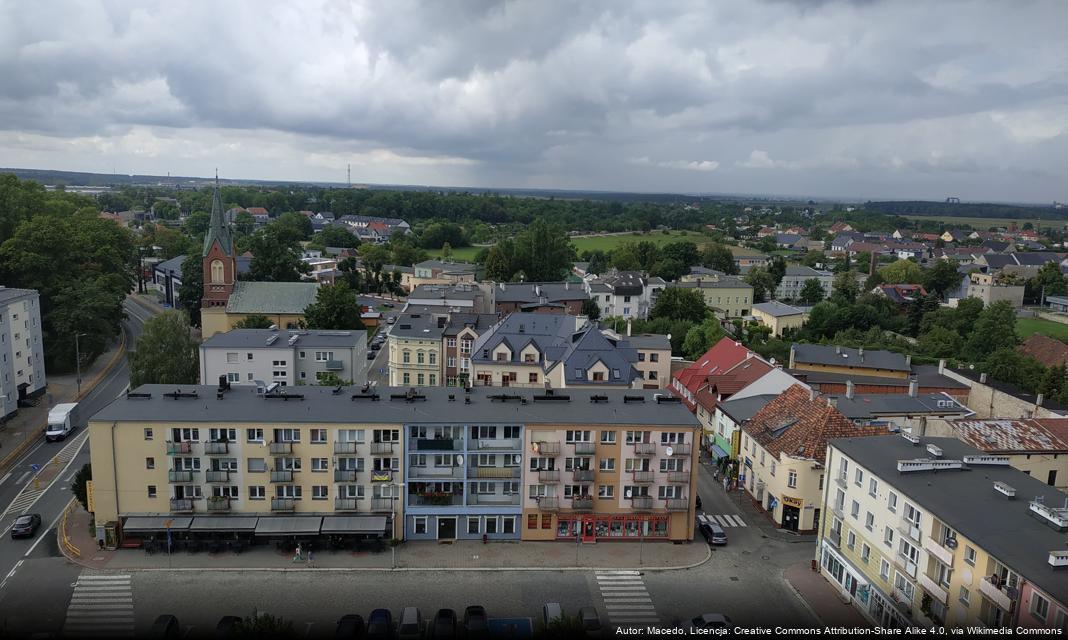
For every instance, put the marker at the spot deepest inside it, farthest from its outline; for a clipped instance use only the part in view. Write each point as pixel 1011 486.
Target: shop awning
pixel 223 523
pixel 288 525
pixel 718 452
pixel 151 524
pixel 354 524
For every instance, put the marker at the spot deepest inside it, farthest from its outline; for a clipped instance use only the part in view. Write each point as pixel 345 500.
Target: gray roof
pixel 741 409
pixel 440 291
pixel 8 294
pixel 531 292
pixel 832 355
pixel 271 297
pixel 257 339
pixel 807 272
pixel 421 326
pixel 777 309
pixel 448 267
pixel 218 227
pixel 241 404
pixel 390 268
pixel 625 283
pixel 873 405
pixel 967 502
pixel 926 375
pixel 714 282
pixel 648 341
pixel 478 321
pixel 593 347
pixel 172 266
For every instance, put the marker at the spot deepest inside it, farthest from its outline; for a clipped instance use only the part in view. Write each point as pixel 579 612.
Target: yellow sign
pixel 89 496
pixel 793 502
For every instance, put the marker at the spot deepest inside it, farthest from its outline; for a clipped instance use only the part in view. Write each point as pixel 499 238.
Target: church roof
pixel 218 229
pixel 271 298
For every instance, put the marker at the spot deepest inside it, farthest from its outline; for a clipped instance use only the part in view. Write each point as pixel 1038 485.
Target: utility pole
pixel 78 361
pixel 350 175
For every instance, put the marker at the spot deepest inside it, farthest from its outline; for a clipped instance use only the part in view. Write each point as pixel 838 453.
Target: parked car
pixel 713 533
pixel 380 624
pixel 349 626
pixel 711 621
pixel 443 626
pixel 227 627
pixel 591 622
pixel 411 624
pixel 388 305
pixel 392 320
pixel 699 501
pixel 551 611
pixel 476 623
pixel 165 628
pixel 371 355
pixel 26 525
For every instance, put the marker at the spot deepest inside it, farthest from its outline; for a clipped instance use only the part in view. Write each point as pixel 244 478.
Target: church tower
pixel 220 263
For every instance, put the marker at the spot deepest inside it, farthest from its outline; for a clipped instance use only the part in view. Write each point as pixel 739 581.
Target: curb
pixel 802 599
pixel 144 305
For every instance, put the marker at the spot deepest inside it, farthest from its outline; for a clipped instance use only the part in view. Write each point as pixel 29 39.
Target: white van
pixel 62 419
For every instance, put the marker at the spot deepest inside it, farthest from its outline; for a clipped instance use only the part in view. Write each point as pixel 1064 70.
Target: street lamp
pixel 78 360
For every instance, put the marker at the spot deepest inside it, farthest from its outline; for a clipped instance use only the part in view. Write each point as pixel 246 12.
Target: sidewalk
pixel 420 555
pixel 23 429
pixel 762 519
pixel 822 598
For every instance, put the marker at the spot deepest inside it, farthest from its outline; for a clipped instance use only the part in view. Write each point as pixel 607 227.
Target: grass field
pixel 608 243
pixel 986 223
pixel 1025 327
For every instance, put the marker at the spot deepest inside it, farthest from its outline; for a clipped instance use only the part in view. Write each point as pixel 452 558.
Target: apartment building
pixel 22 371
pixel 991 288
pixel 625 294
pixel 459 336
pixel 794 280
pixel 540 297
pixel 827 358
pixel 415 349
pixel 931 531
pixel 287 357
pixel 431 463
pixel 654 357
pixel 730 296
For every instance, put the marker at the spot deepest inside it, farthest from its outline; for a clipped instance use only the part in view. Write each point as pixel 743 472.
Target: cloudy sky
pixel 868 98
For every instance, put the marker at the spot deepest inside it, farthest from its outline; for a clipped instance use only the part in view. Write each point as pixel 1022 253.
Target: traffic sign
pixel 35 467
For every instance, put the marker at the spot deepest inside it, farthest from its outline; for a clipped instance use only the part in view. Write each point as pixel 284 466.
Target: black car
pixel 371 355
pixel 26 525
pixel 165 627
pixel 349 626
pixel 476 623
pixel 443 626
pixel 698 501
pixel 380 624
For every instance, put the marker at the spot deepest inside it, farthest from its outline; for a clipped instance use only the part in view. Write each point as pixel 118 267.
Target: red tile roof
pixel 799 426
pixel 1012 435
pixel 1046 350
pixel 720 358
pixel 257 211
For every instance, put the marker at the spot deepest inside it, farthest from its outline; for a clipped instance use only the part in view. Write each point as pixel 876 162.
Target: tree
pixel 1049 281
pixel 335 307
pixel 940 342
pixel 811 292
pixel 863 262
pixel 590 309
pixel 446 251
pixel 192 289
pixel 405 253
pixel 682 251
pixel 295 226
pixel 941 278
pixel 777 269
pixel 636 256
pixel 165 353
pixel 995 330
pixel 543 252
pixel 196 223
pixel 254 321
pixel 719 257
pixel 336 235
pixel 244 223
pixel 19 201
pixel 437 234
pixel 844 288
pixel 701 337
pixel 763 284
pixel 498 265
pixel 276 255
pixel 670 269
pixel 330 379
pixel 79 487
pixel 677 303
pixel 166 210
pixel 814 259
pixel 902 272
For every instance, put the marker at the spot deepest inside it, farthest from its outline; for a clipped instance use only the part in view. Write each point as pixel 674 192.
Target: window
pixel 472 525
pixel 821 482
pixel 772 467
pixel 865 552
pixel 151 491
pixel 964 595
pixel 546 521
pixel 148 434
pixel 254 435
pixel 508 524
pixel 419 379
pixel 762 457
pixel 320 464
pixel 532 378
pixel 406 356
pixel 150 463
pixel 287 435
pixel 318 436
pixel 323 356
pixel 248 356
pixel 608 437
pixel 571 437
pixel 231 357
pixel 969 555
pixel 407 379
pixel 854 509
pixel 791 479
pixel 888 537
pixel 222 435
pixel 450 342
pixel 903 585
pixel 608 464
pixel 869 521
pixel 858 477
pixel 669 492
pixel 891 502
pixel 320 492
pixel 216 272
pixel 851 540
pixel 433 379
pixel 233 377
pixel 257 465
pixel 884 569
pixel 419 524
pixel 654 357
pixel 606 491
pixel 873 487
pixel 419 357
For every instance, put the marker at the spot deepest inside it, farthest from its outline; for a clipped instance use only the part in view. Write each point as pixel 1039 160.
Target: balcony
pixel 284 475
pixel 681 449
pixel 435 444
pixel 345 504
pixel 493 499
pixel 1003 597
pixel 283 504
pixel 436 473
pixel 909 529
pixel 334 365
pixel 344 447
pixel 936 590
pixel 582 475
pixel 678 477
pixel 498 444
pixel 381 448
pixel 181 505
pixel 678 504
pixel 645 448
pixel 643 477
pixel 585 448
pixel 219 504
pixel 839 511
pixel 641 503
pixel 582 503
pixel 549 475
pixel 835 538
pixel 548 448
pixel 220 475
pixel 179 448
pixel 906 564
pixel 381 475
pixel 546 503
pixel 216 448
pixel 842 481
pixel 281 448
pixel 345 475
pixel 490 473
pixel 382 505
pixel 435 500
pixel 944 555
pixel 179 476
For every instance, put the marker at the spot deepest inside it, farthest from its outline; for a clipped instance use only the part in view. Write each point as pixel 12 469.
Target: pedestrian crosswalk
pixel 723 520
pixel 101 607
pixel 625 598
pixel 24 501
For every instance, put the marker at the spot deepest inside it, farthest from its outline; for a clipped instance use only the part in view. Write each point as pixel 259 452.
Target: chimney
pixel 832 402
pixel 812 394
pixel 628 327
pixel 942 366
pixel 908 360
pixel 860 353
pixel 1039 399
pixel 982 378
pixel 838 349
pixel 792 348
pixel 913 388
pixel 849 389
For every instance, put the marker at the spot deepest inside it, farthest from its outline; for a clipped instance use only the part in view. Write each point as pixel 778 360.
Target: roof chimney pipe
pixel 812 394
pixel 914 387
pixel 849 389
pixel 1039 399
pixel 908 361
pixel 942 366
pixel 982 378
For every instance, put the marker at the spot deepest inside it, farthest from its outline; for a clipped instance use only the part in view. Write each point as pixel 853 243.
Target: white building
pixel 625 294
pixel 794 280
pixel 22 372
pixel 288 357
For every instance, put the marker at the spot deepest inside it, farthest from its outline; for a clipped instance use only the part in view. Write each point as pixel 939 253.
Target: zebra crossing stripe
pixel 100 606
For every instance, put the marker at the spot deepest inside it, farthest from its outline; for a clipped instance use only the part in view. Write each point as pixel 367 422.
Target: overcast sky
pixel 894 99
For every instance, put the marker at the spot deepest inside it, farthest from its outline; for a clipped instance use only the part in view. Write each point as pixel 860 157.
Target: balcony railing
pixel 436 444
pixel 345 475
pixel 839 510
pixel 383 505
pixel 841 481
pixel 283 504
pixel 344 447
pixel 345 504
pixel 281 448
pixel 645 448
pixel 436 473
pixel 179 476
pixel 493 499
pixel 216 448
pixel 219 504
pixel 499 444
pixel 179 448
pixel 381 448
pixel 936 590
pixel 582 503
pixel 644 477
pixel 548 448
pixel 285 475
pixel 381 475
pixel 903 562
pixel 334 365
pixel 582 475
pixel 678 504
pixel 909 529
pixel 549 475
pixel 585 448
pixel 641 503
pixel 181 505
pixel 549 504
pixel 221 475
pixel 835 538
pixel 490 473
pixel 678 476
pixel 451 499
pixel 944 555
pixel 680 449
pixel 1002 596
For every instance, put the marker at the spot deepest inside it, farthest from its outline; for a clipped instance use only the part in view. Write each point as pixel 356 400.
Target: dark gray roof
pixel 448 267
pixel 626 283
pixel 218 228
pixel 832 355
pixel 257 339
pixel 806 272
pixel 873 405
pixel 241 404
pixel 777 309
pixel 533 292
pixel 172 266
pixel 420 326
pixel 741 409
pixel 478 321
pixel 8 294
pixel 390 268
pixel 926 375
pixel 967 502
pixel 648 341
pixel 271 297
pixel 714 282
pixel 440 291
pixel 591 348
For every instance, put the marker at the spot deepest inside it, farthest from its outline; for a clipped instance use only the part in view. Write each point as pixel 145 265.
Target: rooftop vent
pixel 1058 559
pixel 1005 489
pixel 662 398
pixel 551 397
pixel 130 395
pixel 927 464
pixel 598 399
pixel 178 393
pixel 271 339
pixel 411 395
pixel 934 451
pixel 293 340
pixel 284 396
pixel 365 396
pixel 1051 516
pixel 630 399
pixel 504 397
pixel 1000 461
pixel 915 440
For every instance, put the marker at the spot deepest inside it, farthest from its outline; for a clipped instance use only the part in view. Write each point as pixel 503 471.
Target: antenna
pixel 350 175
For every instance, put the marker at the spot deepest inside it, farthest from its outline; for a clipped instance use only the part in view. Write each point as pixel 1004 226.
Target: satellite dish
pixel 459 460
pixel 628 494
pixel 517 458
pixel 669 451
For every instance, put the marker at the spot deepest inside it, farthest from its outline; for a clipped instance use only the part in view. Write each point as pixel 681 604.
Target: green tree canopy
pixel 1050 281
pixel 543 252
pixel 940 342
pixel 701 337
pixel 254 321
pixel 763 284
pixel 814 258
pixel 437 234
pixel 196 223
pixel 844 288
pixel 591 309
pixel 498 265
pixel 719 257
pixel 636 256
pixel 811 292
pixel 676 303
pixel 941 278
pixel 165 352
pixel 335 307
pixel 192 289
pixel 276 255
pixel 995 330
pixel 902 272
pixel 336 236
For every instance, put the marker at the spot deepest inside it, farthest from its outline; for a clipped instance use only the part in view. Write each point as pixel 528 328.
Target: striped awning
pixel 718 452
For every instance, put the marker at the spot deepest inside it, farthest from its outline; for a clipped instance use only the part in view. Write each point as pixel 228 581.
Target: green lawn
pixel 608 243
pixel 1025 327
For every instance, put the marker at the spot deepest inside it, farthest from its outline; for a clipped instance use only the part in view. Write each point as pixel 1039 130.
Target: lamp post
pixel 393 517
pixel 78 360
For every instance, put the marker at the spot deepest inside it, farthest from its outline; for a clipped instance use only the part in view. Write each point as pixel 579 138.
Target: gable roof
pixel 269 298
pixel 1048 351
pixel 833 355
pixel 722 356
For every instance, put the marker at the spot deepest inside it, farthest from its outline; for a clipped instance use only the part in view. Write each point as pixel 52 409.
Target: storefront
pixel 865 597
pixel 592 527
pixel 791 512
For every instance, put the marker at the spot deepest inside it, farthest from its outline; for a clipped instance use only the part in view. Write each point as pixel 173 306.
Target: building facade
pixel 779 317
pixel 794 280
pixel 625 294
pixel 990 289
pixel 288 357
pixel 729 296
pixel 22 370
pixel 415 350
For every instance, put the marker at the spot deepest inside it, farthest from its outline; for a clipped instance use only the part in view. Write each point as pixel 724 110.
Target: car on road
pixel 371 355
pixel 165 627
pixel 711 621
pixel 349 626
pixel 551 612
pixel 591 622
pixel 411 624
pixel 476 623
pixel 380 624
pixel 26 525
pixel 699 501
pixel 392 320
pixel 713 533
pixel 443 626
pixel 388 305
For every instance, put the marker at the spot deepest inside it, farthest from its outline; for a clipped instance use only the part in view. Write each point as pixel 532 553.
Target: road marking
pixel 28 497
pixel 6 476
pixel 101 605
pixel 42 536
pixel 625 597
pixel 23 477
